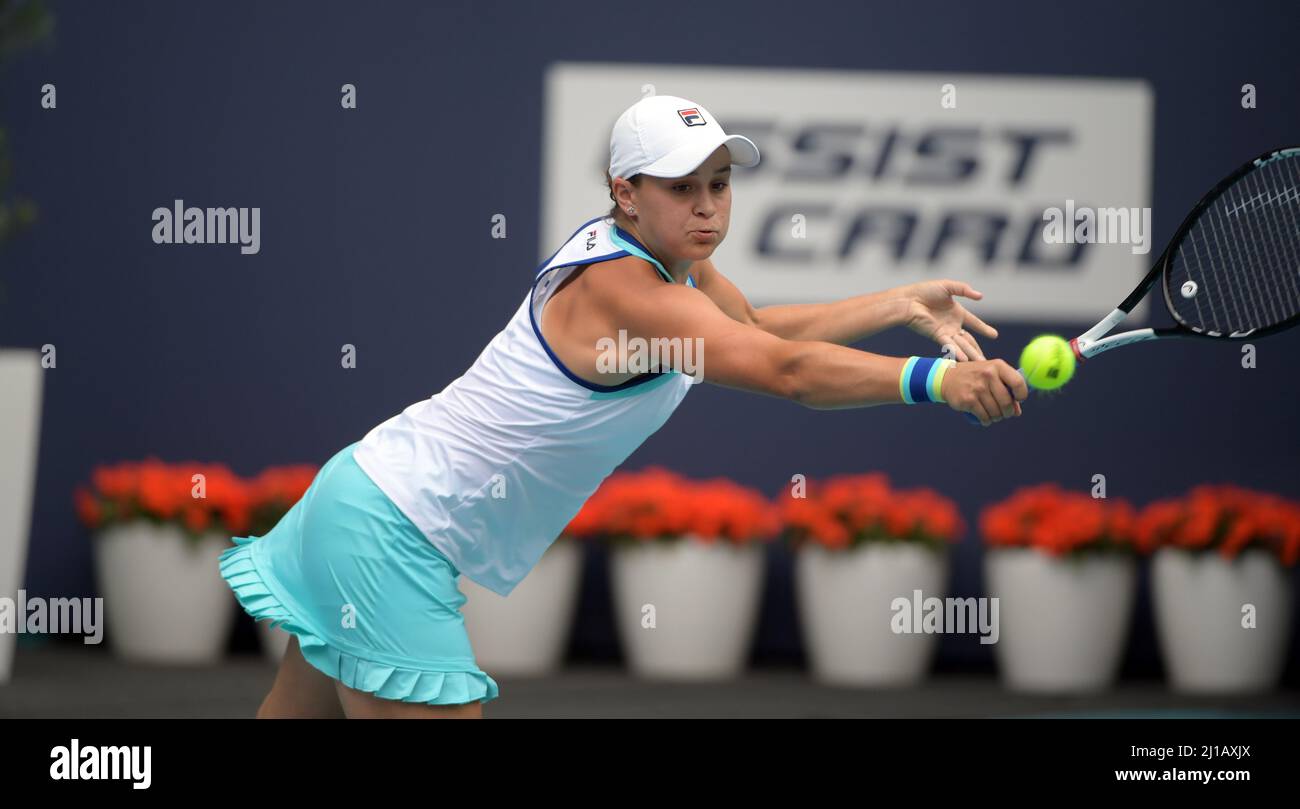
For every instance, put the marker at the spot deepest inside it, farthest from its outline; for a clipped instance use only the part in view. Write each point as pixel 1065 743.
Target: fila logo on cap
pixel 692 117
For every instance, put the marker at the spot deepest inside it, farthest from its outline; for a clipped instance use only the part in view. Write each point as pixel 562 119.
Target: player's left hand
pixel 933 312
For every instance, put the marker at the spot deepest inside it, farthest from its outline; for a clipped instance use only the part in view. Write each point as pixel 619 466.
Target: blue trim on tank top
pixel 563 244
pixel 652 381
pixel 631 247
pixel 629 243
pixel 598 390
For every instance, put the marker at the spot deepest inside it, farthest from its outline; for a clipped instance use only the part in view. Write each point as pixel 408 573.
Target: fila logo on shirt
pixel 591 240
pixel 692 117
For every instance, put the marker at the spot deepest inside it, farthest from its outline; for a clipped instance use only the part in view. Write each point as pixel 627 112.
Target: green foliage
pixel 23 23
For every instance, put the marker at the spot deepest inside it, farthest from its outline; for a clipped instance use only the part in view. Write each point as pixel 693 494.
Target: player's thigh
pixel 360 705
pixel 300 690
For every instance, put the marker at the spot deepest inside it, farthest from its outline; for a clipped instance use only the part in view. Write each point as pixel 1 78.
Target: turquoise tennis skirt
pixel 372 602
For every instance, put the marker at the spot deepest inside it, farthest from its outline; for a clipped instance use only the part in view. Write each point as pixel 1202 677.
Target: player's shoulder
pixel 619 273
pixel 703 271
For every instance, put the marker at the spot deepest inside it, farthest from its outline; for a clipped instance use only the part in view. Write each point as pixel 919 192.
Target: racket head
pixel 1232 270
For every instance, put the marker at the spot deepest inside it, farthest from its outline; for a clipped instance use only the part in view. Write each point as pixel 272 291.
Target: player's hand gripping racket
pixel 1231 271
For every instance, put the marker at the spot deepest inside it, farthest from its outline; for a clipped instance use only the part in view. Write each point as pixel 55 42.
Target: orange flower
pixel 1225 518
pixel 588 521
pixel 1156 522
pixel 115 482
pixel 162 491
pixel 656 503
pixel 170 493
pixel 89 510
pixel 848 509
pixel 285 484
pixel 721 509
pixel 196 518
pixel 1057 521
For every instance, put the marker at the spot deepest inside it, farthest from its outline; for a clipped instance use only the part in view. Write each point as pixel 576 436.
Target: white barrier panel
pixel 894 177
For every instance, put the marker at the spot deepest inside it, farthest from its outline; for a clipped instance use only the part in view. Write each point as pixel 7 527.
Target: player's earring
pixel 631 210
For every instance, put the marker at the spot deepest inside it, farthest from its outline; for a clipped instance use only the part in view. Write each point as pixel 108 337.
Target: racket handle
pixel 974 419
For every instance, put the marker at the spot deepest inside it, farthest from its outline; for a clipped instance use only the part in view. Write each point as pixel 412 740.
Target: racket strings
pixel 1221 300
pixel 1242 254
pixel 1290 247
pixel 1269 250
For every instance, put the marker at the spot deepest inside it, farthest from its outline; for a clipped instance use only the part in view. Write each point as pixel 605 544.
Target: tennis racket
pixel 1232 269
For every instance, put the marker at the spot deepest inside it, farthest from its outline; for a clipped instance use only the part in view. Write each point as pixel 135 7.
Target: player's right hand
pixel 991 390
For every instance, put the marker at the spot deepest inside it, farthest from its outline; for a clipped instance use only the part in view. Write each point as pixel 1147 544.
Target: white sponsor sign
pixel 870 180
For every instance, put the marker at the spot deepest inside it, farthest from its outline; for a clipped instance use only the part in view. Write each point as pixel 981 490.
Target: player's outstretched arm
pixel 816 374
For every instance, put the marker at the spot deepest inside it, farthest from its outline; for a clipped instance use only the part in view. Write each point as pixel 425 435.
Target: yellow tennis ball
pixel 1048 362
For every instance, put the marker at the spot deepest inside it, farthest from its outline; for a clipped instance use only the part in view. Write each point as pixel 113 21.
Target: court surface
pixel 66 681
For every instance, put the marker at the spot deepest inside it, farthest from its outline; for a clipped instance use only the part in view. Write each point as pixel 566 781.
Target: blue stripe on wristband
pixel 920 375
pixel 921 379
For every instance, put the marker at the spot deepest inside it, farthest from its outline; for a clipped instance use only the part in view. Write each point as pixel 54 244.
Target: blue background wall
pixel 375 232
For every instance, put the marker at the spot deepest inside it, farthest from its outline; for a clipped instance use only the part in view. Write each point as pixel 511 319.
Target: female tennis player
pixel 480 478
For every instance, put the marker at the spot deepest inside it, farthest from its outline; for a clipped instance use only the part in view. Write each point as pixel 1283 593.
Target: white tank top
pixel 493 467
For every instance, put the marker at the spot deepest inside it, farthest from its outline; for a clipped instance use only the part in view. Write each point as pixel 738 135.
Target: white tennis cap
pixel 667 136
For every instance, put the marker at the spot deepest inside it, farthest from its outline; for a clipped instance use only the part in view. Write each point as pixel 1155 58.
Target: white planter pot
pixel 1064 621
pixel 1198 608
pixel 845 611
pixel 20 429
pixel 705 606
pixel 526 633
pixel 164 598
